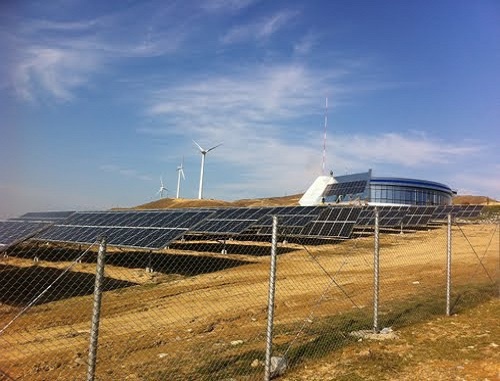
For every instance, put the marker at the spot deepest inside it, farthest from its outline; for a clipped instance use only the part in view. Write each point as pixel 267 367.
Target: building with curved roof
pixel 364 188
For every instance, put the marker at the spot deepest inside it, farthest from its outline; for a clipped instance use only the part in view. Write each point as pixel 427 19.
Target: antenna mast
pixel 324 137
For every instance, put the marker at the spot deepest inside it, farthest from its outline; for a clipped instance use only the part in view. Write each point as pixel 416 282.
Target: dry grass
pixel 165 203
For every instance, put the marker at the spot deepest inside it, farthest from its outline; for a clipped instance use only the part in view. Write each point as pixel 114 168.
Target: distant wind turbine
pixel 162 188
pixel 180 172
pixel 203 153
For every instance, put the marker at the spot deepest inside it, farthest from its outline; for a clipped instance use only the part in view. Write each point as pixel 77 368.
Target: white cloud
pixel 408 149
pixel 259 30
pixel 260 116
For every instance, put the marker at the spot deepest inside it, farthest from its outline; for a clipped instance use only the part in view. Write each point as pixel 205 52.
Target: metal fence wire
pixel 233 306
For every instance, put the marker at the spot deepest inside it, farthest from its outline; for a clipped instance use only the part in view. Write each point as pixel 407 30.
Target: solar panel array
pixel 137 229
pixel 155 229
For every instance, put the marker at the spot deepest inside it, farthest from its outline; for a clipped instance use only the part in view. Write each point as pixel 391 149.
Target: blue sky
pixel 100 99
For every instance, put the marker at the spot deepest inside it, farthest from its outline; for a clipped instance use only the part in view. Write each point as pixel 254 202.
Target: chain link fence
pixel 232 307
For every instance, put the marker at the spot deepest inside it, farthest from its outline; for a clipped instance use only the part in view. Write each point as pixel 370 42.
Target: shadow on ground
pixel 20 286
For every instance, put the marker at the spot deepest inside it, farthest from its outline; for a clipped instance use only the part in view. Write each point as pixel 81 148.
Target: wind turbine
pixel 203 153
pixel 162 188
pixel 180 171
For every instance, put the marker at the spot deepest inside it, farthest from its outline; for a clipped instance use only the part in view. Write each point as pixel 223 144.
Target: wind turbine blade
pixel 182 173
pixel 199 147
pixel 214 147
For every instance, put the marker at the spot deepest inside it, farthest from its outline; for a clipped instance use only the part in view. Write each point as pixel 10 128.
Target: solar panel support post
pixel 96 311
pixel 270 302
pixel 149 267
pixel 376 268
pixel 448 268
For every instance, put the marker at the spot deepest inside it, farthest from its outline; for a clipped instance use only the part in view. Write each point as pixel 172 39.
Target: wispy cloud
pixel 305 44
pixel 226 5
pixel 58 57
pixel 55 70
pixel 125 172
pixel 259 30
pixel 410 149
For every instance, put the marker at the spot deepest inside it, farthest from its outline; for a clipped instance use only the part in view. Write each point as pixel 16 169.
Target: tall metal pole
pixel 448 268
pixel 376 268
pixel 270 302
pixel 94 330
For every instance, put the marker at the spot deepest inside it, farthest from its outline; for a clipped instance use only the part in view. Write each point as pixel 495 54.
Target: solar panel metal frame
pixel 52 216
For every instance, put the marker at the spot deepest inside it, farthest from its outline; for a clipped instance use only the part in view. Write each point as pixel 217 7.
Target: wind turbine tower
pixel 180 172
pixel 203 154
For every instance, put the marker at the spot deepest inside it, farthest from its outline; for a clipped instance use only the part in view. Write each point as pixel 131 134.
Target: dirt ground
pixel 202 315
pixel 464 346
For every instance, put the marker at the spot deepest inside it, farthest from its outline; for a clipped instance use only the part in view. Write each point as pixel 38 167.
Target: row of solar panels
pixel 157 228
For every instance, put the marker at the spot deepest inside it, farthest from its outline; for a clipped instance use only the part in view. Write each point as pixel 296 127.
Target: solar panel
pixel 334 222
pixel 389 216
pixel 230 220
pixel 353 187
pixel 460 211
pixel 469 211
pixel 12 231
pixel 418 216
pixel 294 216
pixel 138 229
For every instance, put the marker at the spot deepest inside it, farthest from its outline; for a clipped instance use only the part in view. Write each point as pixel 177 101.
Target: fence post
pixel 448 268
pixel 94 330
pixel 376 266
pixel 270 301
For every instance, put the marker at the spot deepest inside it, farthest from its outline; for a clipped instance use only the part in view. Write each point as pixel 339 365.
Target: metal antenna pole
pixel 94 330
pixel 270 302
pixel 448 268
pixel 376 268
pixel 323 164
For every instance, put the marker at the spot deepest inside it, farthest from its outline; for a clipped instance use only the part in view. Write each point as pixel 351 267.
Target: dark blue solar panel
pixel 13 231
pixel 333 222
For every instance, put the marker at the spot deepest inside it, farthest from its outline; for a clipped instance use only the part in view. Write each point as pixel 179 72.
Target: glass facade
pixel 362 187
pixel 409 192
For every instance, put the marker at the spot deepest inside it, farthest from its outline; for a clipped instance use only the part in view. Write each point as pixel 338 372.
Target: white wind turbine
pixel 162 188
pixel 203 153
pixel 180 172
